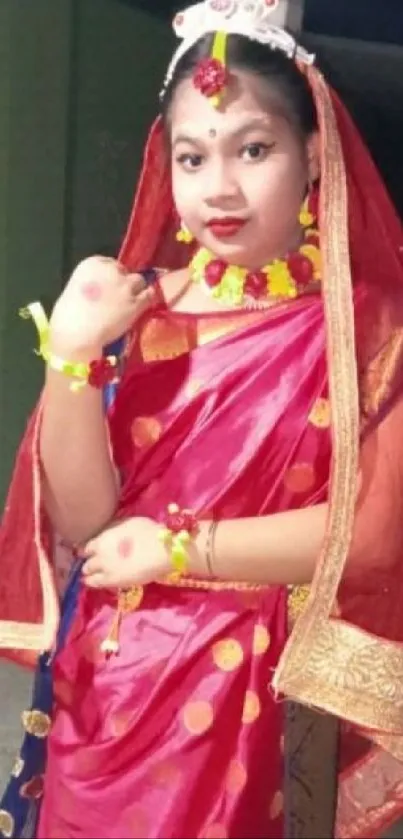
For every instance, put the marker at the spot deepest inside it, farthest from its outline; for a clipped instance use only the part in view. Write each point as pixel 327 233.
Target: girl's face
pixel 243 165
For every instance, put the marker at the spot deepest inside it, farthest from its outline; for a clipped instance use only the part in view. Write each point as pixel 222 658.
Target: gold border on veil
pixel 327 663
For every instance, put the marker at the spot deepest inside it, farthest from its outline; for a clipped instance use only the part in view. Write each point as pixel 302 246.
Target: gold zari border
pixel 212 585
pixel 329 664
pixel 356 675
pixel 315 667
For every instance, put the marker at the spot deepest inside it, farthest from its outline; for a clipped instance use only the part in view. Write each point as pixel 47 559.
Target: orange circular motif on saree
pixel 145 431
pixel 166 774
pixel 138 823
pixel 120 723
pixel 320 414
pixel 198 716
pixel 216 831
pixel 227 654
pixel 236 777
pixel 251 707
pixel 261 640
pixel 277 805
pixel 300 478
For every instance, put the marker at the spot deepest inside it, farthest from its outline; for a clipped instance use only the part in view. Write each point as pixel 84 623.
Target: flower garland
pixel 285 278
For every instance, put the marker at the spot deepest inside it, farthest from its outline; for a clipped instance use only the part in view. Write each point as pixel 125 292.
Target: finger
pixel 146 299
pixel 95 581
pixel 92 566
pixel 86 551
pixel 137 284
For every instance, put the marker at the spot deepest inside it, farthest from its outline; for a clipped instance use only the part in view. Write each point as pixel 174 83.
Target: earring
pixel 309 212
pixel 306 217
pixel 184 235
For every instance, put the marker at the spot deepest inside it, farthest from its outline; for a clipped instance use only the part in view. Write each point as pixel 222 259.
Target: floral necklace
pixel 298 273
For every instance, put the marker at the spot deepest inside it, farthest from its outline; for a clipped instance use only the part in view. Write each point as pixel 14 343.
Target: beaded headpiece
pixel 259 20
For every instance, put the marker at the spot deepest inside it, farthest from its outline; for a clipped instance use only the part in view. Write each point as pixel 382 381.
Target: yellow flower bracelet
pixel 180 528
pixel 96 373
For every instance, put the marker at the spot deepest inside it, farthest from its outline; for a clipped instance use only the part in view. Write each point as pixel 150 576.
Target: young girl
pixel 252 448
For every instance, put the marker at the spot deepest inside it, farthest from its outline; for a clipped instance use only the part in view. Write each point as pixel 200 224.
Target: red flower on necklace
pixel 214 272
pixel 210 77
pixel 300 268
pixel 256 284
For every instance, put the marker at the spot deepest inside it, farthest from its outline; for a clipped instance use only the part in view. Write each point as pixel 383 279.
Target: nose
pixel 222 187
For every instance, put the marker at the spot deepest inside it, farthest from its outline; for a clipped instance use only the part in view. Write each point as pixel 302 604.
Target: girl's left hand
pixel 128 553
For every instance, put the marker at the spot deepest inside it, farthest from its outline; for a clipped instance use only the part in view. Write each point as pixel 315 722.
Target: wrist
pixel 201 551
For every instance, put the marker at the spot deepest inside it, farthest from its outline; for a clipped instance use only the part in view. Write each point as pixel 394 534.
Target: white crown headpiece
pixel 258 20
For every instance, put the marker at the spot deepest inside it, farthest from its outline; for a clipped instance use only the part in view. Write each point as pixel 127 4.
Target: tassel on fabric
pixel 128 601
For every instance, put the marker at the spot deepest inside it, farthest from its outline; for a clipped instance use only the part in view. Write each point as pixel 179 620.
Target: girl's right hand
pixel 99 304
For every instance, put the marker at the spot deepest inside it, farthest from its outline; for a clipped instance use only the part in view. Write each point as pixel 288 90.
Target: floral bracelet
pixel 180 528
pixel 97 373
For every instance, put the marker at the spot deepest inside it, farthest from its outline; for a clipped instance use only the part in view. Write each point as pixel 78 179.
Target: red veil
pixel 345 654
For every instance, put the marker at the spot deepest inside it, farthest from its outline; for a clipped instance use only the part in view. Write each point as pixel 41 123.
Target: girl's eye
pixel 190 162
pixel 255 152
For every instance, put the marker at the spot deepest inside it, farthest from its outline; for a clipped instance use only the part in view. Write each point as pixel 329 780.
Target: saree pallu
pixel 180 734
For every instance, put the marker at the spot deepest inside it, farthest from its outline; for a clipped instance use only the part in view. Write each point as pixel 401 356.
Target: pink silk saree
pixel 180 734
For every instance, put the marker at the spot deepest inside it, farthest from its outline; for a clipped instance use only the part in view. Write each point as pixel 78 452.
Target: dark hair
pixel 273 66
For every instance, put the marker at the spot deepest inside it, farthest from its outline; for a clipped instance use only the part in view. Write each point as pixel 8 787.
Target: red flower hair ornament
pixel 211 76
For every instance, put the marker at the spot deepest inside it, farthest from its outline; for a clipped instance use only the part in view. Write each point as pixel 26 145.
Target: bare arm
pixel 80 486
pixel 281 549
pixel 100 303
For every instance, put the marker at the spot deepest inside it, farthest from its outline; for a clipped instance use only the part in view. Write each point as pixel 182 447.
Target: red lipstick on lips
pixel 226 227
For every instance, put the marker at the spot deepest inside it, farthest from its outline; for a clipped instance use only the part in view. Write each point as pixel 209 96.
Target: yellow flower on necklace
pixel 279 280
pixel 199 262
pixel 313 254
pixel 232 285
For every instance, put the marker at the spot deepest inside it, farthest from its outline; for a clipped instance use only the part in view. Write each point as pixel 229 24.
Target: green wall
pixel 121 57
pixel 34 81
pixel 79 83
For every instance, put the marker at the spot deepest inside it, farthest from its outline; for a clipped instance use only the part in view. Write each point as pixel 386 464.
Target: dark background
pixel 369 20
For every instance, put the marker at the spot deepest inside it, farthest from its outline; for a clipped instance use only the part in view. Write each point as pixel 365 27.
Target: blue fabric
pixel 24 810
